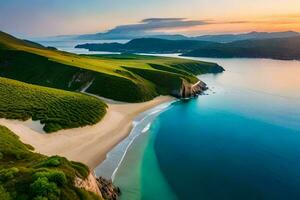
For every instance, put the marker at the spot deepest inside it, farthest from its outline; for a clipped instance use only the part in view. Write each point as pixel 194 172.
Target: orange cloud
pixel 266 23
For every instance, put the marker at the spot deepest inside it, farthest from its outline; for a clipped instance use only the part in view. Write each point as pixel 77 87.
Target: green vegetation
pixel 110 75
pixel 278 45
pixel 223 38
pixel 277 48
pixel 147 45
pixel 57 109
pixel 25 175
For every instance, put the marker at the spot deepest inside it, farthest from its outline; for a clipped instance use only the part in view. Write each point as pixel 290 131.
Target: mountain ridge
pixel 287 48
pixel 222 38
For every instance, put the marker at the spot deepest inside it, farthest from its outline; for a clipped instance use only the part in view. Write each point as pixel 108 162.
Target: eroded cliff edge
pixel 102 187
pixel 191 90
pixel 188 90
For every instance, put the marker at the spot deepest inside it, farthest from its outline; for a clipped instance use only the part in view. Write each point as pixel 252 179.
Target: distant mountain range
pixel 286 48
pixel 277 48
pixel 225 38
pixel 247 36
pixel 148 45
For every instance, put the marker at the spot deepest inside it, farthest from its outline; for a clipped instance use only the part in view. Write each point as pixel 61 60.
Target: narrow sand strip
pixel 89 144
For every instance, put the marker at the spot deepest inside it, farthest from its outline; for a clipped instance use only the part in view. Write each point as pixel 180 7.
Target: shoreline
pixel 141 124
pixel 90 144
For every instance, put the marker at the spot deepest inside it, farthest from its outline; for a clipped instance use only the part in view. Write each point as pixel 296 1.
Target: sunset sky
pixel 35 18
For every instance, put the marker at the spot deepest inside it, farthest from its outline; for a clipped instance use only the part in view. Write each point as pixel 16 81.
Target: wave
pixel 141 124
pixel 146 128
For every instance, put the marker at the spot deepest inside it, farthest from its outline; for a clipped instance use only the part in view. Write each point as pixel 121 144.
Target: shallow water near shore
pixel 239 142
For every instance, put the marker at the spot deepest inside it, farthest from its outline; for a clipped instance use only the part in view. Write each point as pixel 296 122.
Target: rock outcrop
pixel 89 184
pixel 107 189
pixel 189 90
pixel 104 188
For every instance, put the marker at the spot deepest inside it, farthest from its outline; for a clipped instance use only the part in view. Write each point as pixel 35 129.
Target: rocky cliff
pixel 89 184
pixel 107 189
pixel 189 90
pixel 104 188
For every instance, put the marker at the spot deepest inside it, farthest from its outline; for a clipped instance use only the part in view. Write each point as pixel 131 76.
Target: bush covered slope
pixel 57 109
pixel 25 175
pixel 108 76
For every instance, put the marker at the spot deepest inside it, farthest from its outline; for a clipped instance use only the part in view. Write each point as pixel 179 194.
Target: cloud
pixel 153 24
pixel 161 19
pixel 157 26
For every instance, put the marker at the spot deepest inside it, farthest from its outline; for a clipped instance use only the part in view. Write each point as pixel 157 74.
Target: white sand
pixel 89 144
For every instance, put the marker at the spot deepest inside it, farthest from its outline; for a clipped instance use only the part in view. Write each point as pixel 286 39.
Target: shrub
pixel 55 176
pixel 3 194
pixel 10 173
pixel 43 188
pixel 53 161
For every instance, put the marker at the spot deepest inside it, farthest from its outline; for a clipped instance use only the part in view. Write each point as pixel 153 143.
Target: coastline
pixel 141 125
pixel 91 144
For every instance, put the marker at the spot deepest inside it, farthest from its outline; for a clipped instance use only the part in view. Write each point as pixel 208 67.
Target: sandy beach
pixel 89 144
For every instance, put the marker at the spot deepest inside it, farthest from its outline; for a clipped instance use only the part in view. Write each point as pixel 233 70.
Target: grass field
pixel 112 76
pixel 57 109
pixel 25 175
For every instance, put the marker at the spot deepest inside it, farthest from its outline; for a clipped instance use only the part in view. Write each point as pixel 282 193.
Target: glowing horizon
pixel 60 17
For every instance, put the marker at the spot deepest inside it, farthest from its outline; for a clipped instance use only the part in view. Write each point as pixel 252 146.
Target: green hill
pixel 57 109
pixel 148 45
pixel 278 48
pixel 25 175
pixel 280 45
pixel 108 76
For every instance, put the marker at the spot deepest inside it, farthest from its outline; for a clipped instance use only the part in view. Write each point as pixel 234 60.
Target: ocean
pixel 241 140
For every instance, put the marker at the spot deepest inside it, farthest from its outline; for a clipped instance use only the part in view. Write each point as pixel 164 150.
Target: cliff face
pixel 89 184
pixel 104 188
pixel 107 189
pixel 189 90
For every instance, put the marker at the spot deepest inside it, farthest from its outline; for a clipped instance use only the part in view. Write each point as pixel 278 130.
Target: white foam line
pixel 123 156
pixel 161 108
pixel 146 128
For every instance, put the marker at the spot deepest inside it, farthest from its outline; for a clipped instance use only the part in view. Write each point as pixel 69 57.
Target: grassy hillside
pixel 109 74
pixel 57 109
pixel 25 175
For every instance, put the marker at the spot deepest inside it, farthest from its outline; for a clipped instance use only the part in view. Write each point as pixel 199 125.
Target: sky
pixel 40 18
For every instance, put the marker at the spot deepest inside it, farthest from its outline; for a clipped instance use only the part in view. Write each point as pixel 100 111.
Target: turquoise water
pixel 241 141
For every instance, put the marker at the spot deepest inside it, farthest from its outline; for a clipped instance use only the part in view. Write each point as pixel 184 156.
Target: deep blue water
pixel 210 153
pixel 241 141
